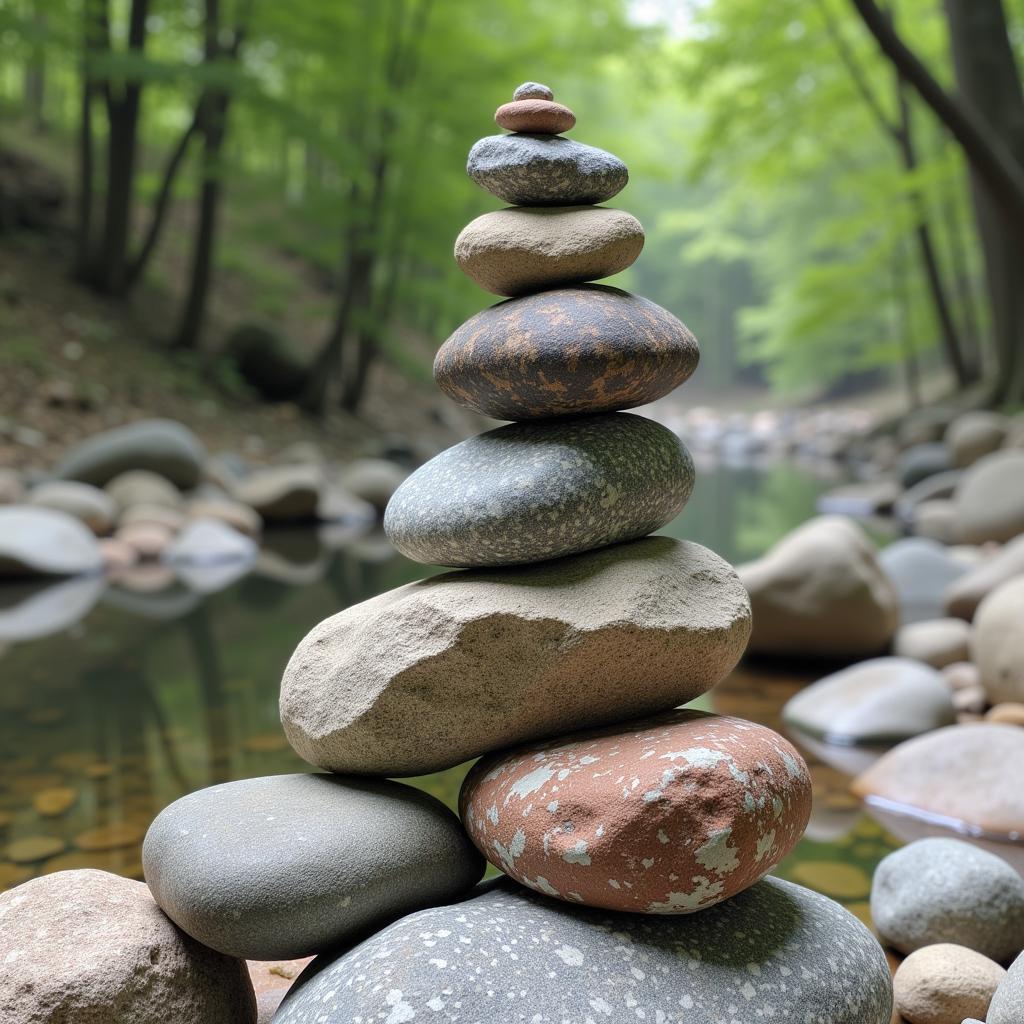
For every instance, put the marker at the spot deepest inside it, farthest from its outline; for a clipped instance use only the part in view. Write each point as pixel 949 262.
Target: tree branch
pixel 856 72
pixel 984 150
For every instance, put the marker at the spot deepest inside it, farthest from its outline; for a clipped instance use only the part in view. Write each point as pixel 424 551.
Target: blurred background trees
pixel 833 190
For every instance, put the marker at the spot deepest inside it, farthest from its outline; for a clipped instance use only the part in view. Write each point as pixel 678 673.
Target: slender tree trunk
pixel 35 72
pixel 964 285
pixel 94 19
pixel 187 336
pixel 124 101
pixel 951 343
pixel 988 78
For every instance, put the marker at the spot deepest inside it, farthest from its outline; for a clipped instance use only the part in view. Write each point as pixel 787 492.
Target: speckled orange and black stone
pixel 565 352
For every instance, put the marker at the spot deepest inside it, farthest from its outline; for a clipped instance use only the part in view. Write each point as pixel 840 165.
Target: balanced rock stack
pixel 635 836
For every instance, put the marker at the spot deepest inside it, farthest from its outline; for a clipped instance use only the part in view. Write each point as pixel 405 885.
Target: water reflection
pixel 169 682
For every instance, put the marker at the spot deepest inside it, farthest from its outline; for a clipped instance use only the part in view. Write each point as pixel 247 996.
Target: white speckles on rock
pixel 552 962
pixel 695 825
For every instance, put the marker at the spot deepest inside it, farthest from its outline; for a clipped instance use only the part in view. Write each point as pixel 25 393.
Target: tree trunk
pixel 951 343
pixel 123 104
pixel 35 73
pixel 988 79
pixel 214 124
pixel 94 17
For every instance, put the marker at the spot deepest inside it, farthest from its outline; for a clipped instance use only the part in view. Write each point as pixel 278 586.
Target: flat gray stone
pixel 439 671
pixel 921 461
pixel 775 951
pixel 162 446
pixel 989 499
pixel 528 492
pixel 1007 1006
pixel 545 170
pixel 882 700
pixel 946 890
pixel 285 866
pixel 44 542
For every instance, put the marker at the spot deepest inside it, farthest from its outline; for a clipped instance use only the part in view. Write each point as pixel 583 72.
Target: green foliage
pixel 780 220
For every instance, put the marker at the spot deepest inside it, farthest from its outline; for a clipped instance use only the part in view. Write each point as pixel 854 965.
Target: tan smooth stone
pixel 52 803
pixel 110 837
pixel 944 983
pixel 1009 713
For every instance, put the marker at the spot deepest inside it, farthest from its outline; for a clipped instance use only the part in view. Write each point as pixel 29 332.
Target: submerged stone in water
pixel 528 492
pixel 545 170
pixel 290 865
pixel 664 815
pixel 775 951
pixel 436 672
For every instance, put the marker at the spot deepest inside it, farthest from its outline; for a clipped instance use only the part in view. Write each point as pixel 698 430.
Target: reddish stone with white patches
pixel 666 815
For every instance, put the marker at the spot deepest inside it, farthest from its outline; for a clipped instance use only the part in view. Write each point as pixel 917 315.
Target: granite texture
pixel 528 492
pixel 88 947
pixel 442 670
pixel 1007 1006
pixel 947 890
pixel 532 91
pixel 664 815
pixel 532 248
pixel 878 701
pixel 587 349
pixel 541 117
pixel 545 170
pixel 289 865
pixel 774 952
pixel 162 446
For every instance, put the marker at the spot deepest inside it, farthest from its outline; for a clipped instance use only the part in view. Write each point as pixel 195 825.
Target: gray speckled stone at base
pixel 285 866
pixel 431 674
pixel 1007 1006
pixel 545 170
pixel 162 446
pixel 776 951
pixel 527 492
pixel 946 890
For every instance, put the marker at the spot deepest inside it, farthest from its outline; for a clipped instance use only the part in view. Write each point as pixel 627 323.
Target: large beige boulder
pixel 944 983
pixel 989 499
pixel 88 947
pixel 821 592
pixel 439 671
pixel 997 642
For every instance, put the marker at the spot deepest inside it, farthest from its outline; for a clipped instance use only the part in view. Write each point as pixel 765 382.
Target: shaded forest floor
pixel 73 362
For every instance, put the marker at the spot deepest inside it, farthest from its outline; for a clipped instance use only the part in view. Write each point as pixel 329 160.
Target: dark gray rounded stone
pixel 285 866
pixel 545 170
pixel 527 492
pixel 161 446
pixel 921 461
pixel 946 890
pixel 776 951
pixel 1007 1006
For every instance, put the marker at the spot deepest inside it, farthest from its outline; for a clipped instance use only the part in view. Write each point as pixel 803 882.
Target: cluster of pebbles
pixel 634 838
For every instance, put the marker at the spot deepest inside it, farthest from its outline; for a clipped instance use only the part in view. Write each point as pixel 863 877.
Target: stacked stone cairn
pixel 634 837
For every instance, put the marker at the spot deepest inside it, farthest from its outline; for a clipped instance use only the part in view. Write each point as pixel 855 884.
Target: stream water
pixel 159 690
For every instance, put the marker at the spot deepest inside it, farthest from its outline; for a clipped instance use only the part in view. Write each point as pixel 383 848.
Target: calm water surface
pixel 159 690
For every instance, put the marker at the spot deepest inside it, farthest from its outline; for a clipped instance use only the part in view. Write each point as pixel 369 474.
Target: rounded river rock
pixel 575 350
pixel 527 492
pixel 429 675
pixel 527 249
pixel 545 170
pixel 775 952
pixel 666 815
pixel 281 867
pixel 89 947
